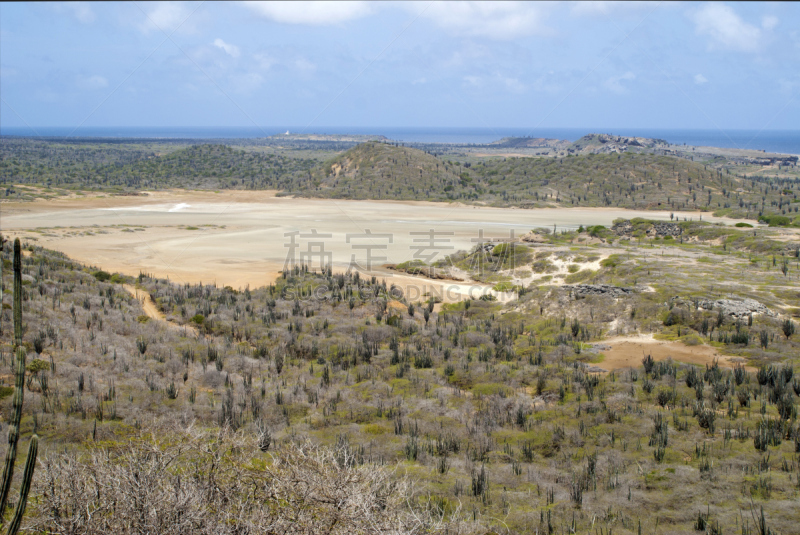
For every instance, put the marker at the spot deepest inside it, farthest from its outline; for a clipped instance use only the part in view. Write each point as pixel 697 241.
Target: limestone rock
pixel 585 290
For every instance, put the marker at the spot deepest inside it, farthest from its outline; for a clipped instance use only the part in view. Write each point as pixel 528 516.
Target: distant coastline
pixel 775 141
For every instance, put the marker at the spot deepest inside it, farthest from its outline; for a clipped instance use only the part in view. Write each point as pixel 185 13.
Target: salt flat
pixel 246 237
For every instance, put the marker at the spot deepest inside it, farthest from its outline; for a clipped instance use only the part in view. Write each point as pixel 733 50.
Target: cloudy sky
pixel 446 64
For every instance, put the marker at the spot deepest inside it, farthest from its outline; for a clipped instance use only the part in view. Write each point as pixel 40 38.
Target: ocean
pixel 781 141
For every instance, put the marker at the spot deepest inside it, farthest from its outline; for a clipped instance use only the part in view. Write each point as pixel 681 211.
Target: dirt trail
pixel 628 351
pixel 151 309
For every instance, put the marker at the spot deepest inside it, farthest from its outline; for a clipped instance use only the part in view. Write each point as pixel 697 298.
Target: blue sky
pixel 601 64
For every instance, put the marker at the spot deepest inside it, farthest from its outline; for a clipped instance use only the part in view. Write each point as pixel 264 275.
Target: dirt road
pixel 152 310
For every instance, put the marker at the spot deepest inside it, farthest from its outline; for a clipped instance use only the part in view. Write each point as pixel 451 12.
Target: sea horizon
pixel 774 141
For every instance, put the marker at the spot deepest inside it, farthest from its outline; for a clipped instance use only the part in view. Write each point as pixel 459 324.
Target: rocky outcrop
pixel 769 160
pixel 579 291
pixel 533 237
pixel 656 229
pixel 623 228
pixel 737 308
pixel 426 271
pixel 665 229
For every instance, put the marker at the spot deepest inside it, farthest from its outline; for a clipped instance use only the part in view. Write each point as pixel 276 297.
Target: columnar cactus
pixel 13 431
pixel 2 280
pixel 16 418
pixel 17 293
pixel 30 465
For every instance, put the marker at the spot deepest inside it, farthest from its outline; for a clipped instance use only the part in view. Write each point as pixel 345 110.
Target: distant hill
pixel 112 167
pixel 596 170
pixel 608 143
pixel 626 180
pixel 588 144
pixel 529 143
pixel 358 138
pixel 382 171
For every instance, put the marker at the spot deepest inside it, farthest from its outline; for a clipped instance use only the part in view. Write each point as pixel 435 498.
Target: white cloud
pixel 92 82
pixel 699 79
pixel 247 83
pixel 419 81
pixel 304 65
pixel 768 22
pixel 726 29
pixel 81 11
pixel 496 20
pixel 496 82
pixel 473 80
pixel 167 17
pixel 615 85
pixel 313 13
pixel 264 60
pixel 46 95
pixel 231 50
pixel 513 84
pixel 789 87
pixel 600 7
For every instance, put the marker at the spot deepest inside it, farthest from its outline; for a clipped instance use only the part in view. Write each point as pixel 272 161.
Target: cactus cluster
pixel 16 417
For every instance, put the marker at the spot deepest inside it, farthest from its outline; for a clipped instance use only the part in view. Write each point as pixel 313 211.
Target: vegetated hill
pixel 139 167
pixel 720 158
pixel 608 143
pixel 359 138
pixel 379 170
pixel 478 401
pixel 382 171
pixel 529 143
pixel 640 181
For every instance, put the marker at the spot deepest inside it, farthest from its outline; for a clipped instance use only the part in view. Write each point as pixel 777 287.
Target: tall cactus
pixel 17 293
pixel 3 241
pixel 16 418
pixel 30 465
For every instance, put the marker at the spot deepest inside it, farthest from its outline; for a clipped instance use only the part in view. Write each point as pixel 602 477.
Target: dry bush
pixel 199 482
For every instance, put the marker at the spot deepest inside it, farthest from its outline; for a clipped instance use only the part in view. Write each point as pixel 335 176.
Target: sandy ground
pixel 144 298
pixel 238 238
pixel 150 308
pixel 629 351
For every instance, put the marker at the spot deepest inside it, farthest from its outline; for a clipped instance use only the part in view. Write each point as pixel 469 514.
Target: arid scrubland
pixel 326 401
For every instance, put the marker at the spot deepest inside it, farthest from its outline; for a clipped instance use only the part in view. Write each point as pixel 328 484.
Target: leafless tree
pixel 202 482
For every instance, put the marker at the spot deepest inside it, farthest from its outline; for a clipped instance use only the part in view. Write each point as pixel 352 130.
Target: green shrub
pixel 596 231
pixel 775 220
pixel 502 249
pixel 612 261
pixel 580 276
pixel 37 365
pixel 503 287
pixel 101 275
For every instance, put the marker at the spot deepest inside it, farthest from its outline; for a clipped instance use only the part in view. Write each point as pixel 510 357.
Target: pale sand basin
pixel 628 352
pixel 240 237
